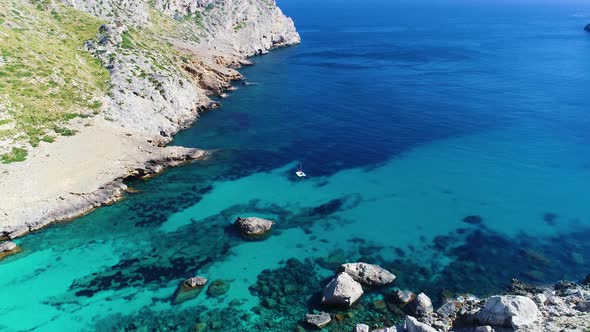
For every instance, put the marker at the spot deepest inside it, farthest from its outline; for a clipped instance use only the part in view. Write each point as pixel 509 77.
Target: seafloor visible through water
pixel 448 144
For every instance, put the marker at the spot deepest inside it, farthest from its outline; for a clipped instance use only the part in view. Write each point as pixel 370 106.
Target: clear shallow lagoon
pixel 407 120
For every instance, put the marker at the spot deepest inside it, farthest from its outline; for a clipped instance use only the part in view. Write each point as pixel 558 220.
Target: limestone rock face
pixel 253 227
pixel 342 291
pixel 368 274
pixel 131 11
pixel 318 320
pixel 519 312
pixel 155 93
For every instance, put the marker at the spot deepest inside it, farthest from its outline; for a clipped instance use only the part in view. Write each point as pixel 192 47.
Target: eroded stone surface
pixel 342 291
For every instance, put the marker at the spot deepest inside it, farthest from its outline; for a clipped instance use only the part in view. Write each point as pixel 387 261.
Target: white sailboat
pixel 299 172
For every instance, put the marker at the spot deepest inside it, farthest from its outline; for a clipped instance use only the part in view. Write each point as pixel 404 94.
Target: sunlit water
pixel 407 119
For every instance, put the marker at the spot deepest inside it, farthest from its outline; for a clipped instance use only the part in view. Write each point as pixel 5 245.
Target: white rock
pixel 7 246
pixel 342 291
pixel 361 328
pixel 540 299
pixel 421 305
pixel 413 325
pixel 518 312
pixel 195 282
pixel 486 328
pixel 368 274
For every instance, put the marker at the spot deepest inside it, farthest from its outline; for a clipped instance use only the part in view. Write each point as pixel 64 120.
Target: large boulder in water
pixel 189 289
pixel 342 291
pixel 368 274
pixel 518 312
pixel 253 227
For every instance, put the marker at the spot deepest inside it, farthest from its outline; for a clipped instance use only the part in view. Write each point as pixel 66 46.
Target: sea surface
pixel 448 143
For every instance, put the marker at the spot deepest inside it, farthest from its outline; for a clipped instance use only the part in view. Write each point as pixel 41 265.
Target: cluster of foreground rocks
pixel 8 248
pixel 523 308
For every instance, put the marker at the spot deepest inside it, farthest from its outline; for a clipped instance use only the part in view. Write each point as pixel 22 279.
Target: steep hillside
pixel 149 68
pixel 46 79
pixel 118 77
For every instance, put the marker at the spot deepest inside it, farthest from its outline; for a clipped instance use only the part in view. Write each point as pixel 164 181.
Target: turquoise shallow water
pixel 404 129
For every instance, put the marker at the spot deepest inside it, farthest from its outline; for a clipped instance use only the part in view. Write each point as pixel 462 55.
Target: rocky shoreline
pixel 564 306
pixel 161 80
pixel 79 204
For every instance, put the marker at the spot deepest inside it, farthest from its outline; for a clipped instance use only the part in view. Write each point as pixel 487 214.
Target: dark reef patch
pixel 473 220
pixel 550 218
pixel 294 290
pixel 177 255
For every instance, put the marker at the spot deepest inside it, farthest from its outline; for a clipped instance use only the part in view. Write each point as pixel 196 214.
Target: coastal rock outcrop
pixel 253 227
pixel 519 312
pixel 318 320
pixel 368 274
pixel 189 289
pixel 342 291
pixel 8 248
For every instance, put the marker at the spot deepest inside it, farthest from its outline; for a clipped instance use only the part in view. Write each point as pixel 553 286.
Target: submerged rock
pixel 217 288
pixel 368 274
pixel 473 220
pixel 189 289
pixel 519 312
pixel 421 305
pixel 588 28
pixel 342 291
pixel 253 227
pixel 319 320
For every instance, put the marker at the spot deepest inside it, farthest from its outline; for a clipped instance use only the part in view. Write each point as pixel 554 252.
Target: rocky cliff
pixel 166 56
pixel 118 76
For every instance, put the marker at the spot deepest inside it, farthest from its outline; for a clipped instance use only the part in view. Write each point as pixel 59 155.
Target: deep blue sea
pixel 447 143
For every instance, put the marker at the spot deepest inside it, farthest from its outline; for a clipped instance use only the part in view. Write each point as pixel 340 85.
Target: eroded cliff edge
pixel 164 59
